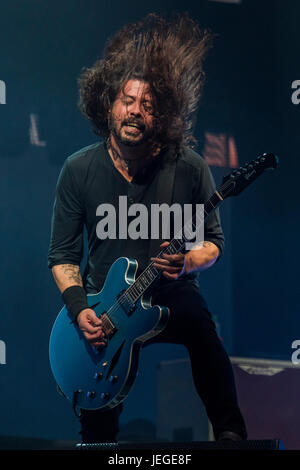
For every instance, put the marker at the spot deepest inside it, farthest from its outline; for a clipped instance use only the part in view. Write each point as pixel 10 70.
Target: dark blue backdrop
pixel 252 290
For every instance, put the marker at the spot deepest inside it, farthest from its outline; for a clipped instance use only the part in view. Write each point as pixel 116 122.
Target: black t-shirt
pixel 89 179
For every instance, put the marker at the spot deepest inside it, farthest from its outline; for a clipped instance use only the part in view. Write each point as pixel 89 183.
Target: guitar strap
pixel 164 193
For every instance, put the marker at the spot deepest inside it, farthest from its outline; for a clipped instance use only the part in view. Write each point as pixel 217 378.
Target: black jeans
pixel 190 324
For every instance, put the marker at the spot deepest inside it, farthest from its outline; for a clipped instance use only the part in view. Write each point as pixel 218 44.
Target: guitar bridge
pixel 107 325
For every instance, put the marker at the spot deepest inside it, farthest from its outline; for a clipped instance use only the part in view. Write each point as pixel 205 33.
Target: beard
pixel 121 130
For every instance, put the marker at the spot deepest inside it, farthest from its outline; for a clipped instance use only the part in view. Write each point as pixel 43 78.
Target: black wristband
pixel 74 298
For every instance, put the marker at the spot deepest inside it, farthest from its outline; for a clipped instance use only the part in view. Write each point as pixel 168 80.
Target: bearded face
pixel 131 118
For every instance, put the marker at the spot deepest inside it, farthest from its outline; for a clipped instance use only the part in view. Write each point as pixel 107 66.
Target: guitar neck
pixel 151 274
pixel 232 185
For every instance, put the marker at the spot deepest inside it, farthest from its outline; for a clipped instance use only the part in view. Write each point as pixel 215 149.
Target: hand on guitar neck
pixel 172 266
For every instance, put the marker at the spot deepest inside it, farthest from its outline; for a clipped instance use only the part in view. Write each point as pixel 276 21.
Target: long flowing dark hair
pixel 166 54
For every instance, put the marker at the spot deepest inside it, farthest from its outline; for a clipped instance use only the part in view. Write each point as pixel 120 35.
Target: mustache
pixel 140 124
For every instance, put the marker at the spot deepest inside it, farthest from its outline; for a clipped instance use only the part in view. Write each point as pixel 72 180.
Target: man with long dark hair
pixel 141 98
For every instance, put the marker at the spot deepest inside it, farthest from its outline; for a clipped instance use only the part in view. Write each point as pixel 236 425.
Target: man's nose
pixel 135 109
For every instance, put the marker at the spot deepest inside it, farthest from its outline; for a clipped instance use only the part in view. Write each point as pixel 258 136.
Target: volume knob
pixel 104 395
pixel 113 378
pixel 98 375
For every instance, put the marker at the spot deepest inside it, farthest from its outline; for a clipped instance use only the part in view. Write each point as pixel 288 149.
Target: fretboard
pixel 150 274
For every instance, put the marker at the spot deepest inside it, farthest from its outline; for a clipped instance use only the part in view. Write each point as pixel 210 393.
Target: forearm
pixel 67 275
pixel 201 258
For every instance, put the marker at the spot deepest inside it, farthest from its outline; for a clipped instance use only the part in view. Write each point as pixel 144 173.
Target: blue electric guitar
pixel 94 379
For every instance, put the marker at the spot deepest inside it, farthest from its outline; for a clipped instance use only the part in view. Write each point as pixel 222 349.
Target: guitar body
pixel 91 378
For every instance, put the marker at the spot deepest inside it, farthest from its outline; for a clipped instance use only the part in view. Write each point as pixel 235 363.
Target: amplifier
pixel 267 392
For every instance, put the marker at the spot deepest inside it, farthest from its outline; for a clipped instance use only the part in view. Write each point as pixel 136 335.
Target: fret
pixel 156 271
pixel 147 277
pixel 139 287
pixel 171 249
pixel 143 280
pixel 178 242
pixel 134 296
pixel 134 290
pixel 211 203
pixel 214 201
pixel 151 274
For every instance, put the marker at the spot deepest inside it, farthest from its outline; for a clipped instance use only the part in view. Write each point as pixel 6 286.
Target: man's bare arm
pixel 201 258
pixel 198 259
pixel 67 275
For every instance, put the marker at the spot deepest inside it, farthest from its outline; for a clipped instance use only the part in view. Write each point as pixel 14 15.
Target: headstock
pixel 234 183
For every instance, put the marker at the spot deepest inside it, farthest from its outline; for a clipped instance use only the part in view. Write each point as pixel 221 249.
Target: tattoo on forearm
pixel 192 265
pixel 214 248
pixel 73 273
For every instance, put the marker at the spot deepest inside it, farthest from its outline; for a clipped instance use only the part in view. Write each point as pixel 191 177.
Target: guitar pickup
pixel 126 303
pixel 107 325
